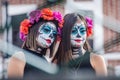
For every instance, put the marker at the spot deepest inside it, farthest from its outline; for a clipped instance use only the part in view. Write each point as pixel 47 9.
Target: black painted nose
pixel 78 36
pixel 51 36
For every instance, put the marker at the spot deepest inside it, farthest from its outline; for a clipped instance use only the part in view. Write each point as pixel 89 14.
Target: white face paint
pixel 78 34
pixel 47 33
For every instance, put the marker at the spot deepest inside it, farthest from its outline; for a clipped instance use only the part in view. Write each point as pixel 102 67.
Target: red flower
pixel 25 24
pixel 89 31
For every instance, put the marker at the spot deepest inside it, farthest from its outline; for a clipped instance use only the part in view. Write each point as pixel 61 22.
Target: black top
pixel 31 71
pixel 79 65
pixel 82 65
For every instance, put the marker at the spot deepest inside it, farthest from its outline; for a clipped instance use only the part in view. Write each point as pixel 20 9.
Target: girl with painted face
pixel 74 50
pixel 41 35
pixel 46 34
pixel 78 37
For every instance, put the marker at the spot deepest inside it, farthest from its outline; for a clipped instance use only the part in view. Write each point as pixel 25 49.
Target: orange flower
pixel 25 24
pixel 47 11
pixel 47 17
pixel 47 14
pixel 24 29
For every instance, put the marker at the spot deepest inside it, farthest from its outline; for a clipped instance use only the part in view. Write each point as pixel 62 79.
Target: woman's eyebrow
pixel 82 28
pixel 53 27
pixel 47 26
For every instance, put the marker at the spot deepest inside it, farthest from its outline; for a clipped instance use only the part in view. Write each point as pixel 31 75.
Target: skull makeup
pixel 46 34
pixel 78 34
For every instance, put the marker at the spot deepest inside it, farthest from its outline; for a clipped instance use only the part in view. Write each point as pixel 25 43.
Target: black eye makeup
pixel 74 31
pixel 79 28
pixel 46 29
pixel 82 30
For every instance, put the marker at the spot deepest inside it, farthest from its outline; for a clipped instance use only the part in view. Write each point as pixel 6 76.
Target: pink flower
pixel 89 26
pixel 34 16
pixel 57 16
pixel 89 22
pixel 22 36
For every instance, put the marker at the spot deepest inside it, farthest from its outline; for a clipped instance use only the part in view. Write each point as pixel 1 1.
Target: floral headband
pixel 89 22
pixel 35 16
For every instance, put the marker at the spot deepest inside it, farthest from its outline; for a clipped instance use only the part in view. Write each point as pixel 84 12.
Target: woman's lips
pixel 48 41
pixel 77 40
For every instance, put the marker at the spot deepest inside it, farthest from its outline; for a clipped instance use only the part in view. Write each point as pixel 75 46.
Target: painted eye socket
pixel 74 31
pixel 54 33
pixel 82 31
pixel 46 29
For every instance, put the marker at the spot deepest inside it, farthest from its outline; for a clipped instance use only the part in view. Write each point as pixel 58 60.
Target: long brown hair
pixel 31 42
pixel 64 51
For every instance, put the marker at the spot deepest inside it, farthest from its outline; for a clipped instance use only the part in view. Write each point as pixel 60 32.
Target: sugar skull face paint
pixel 46 34
pixel 78 34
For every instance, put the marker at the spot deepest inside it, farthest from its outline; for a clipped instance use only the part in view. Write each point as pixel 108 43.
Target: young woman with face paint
pixel 74 50
pixel 41 36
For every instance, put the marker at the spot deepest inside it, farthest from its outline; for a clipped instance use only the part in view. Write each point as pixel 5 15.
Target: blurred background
pixel 105 14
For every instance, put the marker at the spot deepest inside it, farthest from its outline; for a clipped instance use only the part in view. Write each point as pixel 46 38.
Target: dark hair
pixel 64 51
pixel 31 42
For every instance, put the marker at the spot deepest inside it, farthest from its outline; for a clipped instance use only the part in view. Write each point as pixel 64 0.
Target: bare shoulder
pixel 96 57
pixel 98 63
pixel 17 59
pixel 19 55
pixel 16 65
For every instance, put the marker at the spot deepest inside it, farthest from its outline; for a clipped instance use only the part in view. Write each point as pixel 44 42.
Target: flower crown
pixel 35 16
pixel 89 22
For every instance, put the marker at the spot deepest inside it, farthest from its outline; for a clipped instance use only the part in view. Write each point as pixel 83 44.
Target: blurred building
pixel 111 11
